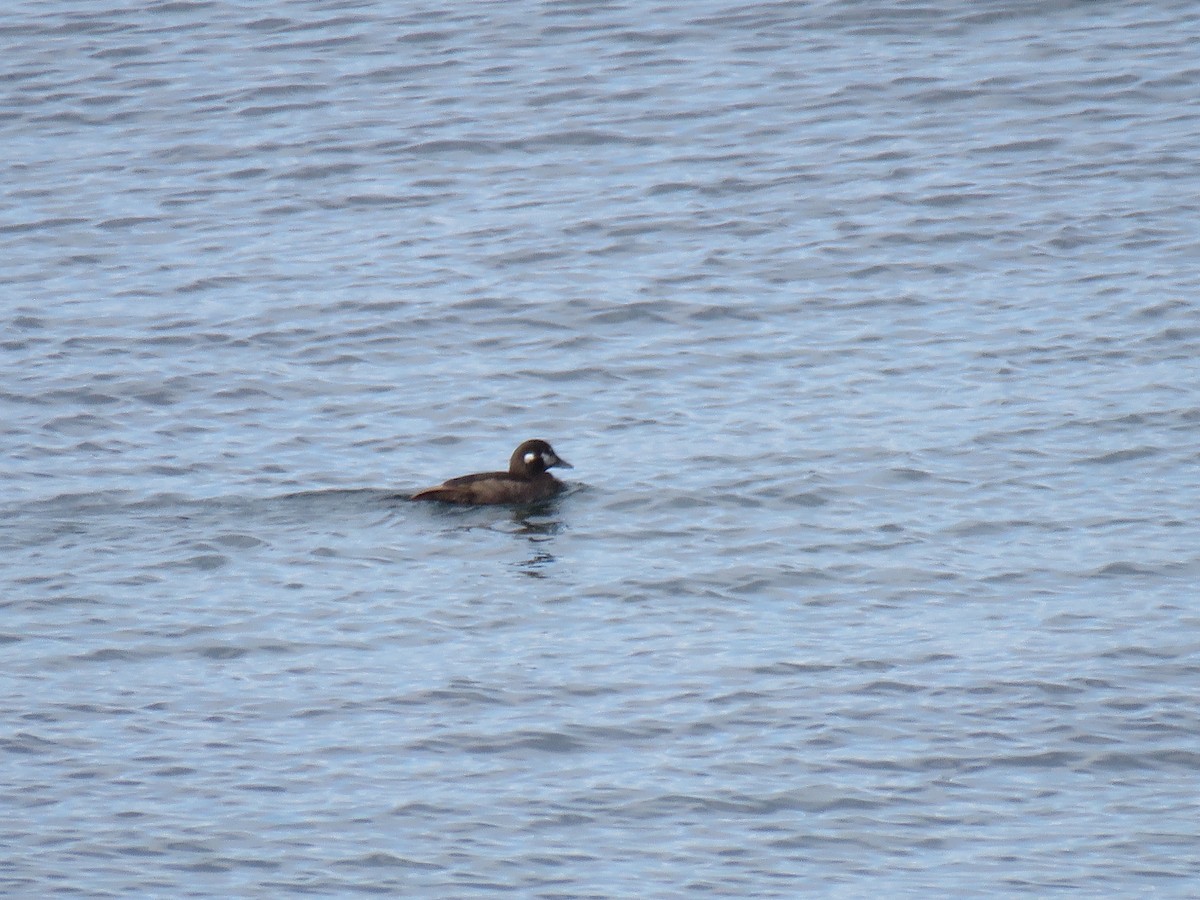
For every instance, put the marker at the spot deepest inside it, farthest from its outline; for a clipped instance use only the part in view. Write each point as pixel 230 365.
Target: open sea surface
pixel 871 330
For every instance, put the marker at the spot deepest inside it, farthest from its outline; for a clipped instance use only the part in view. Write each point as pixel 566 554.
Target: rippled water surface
pixel 870 330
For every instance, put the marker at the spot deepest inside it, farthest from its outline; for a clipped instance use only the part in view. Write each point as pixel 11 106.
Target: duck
pixel 526 480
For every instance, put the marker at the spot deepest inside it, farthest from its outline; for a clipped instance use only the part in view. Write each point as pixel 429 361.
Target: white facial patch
pixel 530 457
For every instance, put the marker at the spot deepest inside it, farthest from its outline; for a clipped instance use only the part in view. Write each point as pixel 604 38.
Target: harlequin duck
pixel 526 480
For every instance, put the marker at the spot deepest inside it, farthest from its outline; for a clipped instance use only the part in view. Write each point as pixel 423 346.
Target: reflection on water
pixel 538 525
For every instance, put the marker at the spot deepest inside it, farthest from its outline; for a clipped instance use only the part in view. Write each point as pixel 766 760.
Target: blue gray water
pixel 871 331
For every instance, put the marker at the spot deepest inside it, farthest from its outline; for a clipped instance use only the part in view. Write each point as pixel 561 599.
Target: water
pixel 870 331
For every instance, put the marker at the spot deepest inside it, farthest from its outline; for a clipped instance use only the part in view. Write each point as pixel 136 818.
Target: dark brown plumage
pixel 526 480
